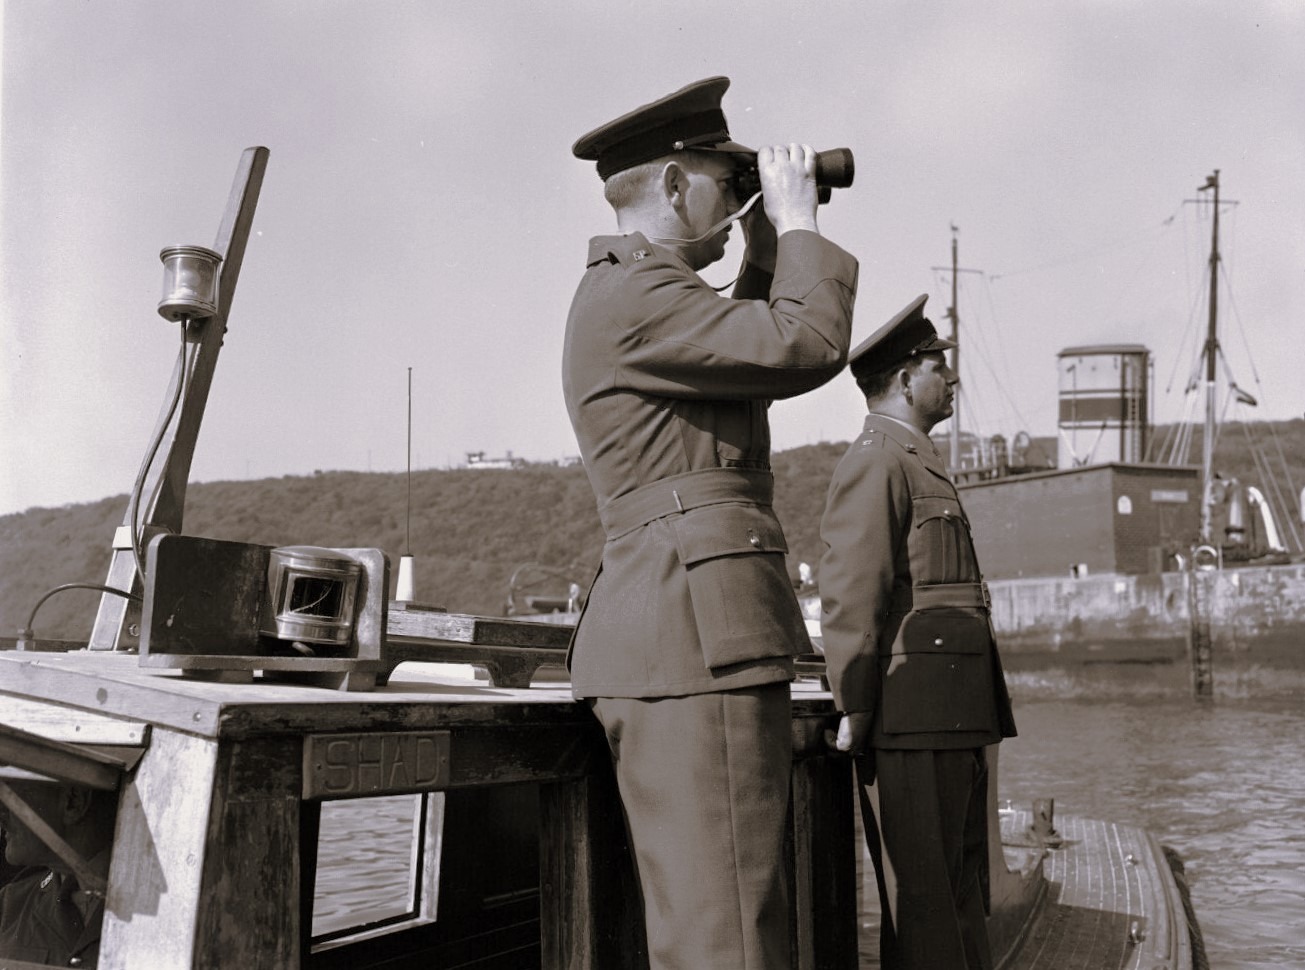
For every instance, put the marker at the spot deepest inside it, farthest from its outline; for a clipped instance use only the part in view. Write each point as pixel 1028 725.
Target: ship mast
pixel 953 314
pixel 956 363
pixel 1210 353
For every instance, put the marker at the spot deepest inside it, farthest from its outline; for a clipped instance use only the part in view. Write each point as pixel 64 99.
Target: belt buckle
pixel 987 597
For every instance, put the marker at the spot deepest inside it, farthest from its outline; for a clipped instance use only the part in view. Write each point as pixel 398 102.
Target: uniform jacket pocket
pixel 743 602
pixel 938 677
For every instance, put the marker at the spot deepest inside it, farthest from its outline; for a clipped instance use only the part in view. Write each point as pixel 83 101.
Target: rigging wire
pixel 134 506
pixel 975 341
pixel 1241 327
pixel 1199 293
pixel 982 350
pixel 1113 246
pixel 1269 491
pixel 992 309
pixel 1288 503
pixel 1271 479
pixel 1278 503
pixel 1179 436
pixel 1145 235
pixel 1191 331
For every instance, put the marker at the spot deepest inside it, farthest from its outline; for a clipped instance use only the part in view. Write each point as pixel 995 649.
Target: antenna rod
pixel 403 585
pixel 407 535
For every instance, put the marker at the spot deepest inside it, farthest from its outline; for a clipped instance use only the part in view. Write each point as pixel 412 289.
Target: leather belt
pixel 679 493
pixel 938 595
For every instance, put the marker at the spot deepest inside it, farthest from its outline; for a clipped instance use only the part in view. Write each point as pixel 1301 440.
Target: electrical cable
pixel 26 632
pixel 133 507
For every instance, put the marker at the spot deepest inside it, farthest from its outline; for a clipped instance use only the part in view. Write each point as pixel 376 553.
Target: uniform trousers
pixel 925 816
pixel 704 783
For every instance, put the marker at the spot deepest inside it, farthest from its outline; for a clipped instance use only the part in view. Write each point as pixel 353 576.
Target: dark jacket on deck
pixel 41 923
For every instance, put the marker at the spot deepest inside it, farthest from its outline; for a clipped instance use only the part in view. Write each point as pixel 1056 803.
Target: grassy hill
pixel 470 529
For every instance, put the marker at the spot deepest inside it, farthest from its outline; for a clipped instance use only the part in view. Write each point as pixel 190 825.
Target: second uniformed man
pixel 910 655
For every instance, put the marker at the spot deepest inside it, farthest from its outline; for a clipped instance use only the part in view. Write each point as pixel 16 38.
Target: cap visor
pixel 729 147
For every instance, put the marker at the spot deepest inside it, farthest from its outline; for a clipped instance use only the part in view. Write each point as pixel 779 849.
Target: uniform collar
pixel 910 438
pixel 609 249
pixel 629 248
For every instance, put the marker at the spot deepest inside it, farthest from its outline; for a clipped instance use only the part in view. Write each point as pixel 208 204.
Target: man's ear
pixel 902 380
pixel 675 184
pixel 75 803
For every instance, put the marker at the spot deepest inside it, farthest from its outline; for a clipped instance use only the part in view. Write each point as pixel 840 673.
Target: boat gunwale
pixel 113 684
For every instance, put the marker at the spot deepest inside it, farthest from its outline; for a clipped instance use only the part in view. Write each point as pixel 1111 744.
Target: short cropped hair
pixel 875 384
pixel 627 187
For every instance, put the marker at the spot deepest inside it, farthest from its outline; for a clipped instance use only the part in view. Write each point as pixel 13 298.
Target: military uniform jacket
pixel 40 923
pixel 904 619
pixel 667 384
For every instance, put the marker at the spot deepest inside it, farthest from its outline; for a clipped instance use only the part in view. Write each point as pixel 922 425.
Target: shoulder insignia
pixel 632 248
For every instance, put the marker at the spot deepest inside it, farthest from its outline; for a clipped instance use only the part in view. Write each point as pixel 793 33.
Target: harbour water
pixel 1221 781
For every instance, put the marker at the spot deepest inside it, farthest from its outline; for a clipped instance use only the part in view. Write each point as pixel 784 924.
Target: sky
pixel 421 207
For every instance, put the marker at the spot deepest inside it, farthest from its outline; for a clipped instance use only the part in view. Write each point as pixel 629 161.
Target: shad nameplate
pixel 360 765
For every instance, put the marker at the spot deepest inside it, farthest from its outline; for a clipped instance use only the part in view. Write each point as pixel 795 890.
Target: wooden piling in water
pixel 1200 641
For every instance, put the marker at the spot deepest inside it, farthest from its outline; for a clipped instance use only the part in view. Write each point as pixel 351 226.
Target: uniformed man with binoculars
pixel 684 650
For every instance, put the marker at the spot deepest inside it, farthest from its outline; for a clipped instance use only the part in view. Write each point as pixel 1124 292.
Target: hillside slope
pixel 469 531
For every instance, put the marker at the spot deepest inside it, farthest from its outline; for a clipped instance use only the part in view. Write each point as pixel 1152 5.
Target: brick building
pixel 1112 518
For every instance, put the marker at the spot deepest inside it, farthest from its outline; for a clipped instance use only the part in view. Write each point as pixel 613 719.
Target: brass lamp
pixel 313 593
pixel 190 281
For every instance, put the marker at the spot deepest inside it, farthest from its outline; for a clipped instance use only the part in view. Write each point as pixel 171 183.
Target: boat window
pixel 377 864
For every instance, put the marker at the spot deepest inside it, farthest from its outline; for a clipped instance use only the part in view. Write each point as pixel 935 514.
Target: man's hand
pixel 788 184
pixel 853 730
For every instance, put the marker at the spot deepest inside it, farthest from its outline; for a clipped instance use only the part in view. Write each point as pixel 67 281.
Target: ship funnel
pixel 1103 404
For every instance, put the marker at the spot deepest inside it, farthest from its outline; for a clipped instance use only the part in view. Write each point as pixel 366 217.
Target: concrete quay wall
pixel 1256 612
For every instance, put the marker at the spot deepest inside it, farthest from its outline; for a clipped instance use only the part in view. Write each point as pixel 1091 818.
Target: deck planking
pixel 1111 901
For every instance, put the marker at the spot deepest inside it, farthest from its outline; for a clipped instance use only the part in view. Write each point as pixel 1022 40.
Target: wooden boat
pixel 519 860
pixel 516 858
pixel 1112 898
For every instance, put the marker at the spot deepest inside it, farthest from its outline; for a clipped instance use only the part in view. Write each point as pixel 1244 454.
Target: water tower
pixel 1103 404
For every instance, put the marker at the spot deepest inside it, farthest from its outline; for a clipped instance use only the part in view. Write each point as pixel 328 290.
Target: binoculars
pixel 834 170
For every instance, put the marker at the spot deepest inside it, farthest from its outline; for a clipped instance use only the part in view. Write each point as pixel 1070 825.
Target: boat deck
pixel 1111 902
